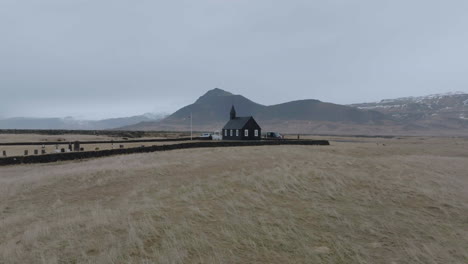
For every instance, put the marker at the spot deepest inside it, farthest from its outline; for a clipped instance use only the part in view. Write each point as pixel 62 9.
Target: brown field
pixel 45 138
pixel 368 201
pixel 19 150
pixel 81 137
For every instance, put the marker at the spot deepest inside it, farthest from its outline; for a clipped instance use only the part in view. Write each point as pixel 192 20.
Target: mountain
pixel 33 123
pixel 438 111
pixel 314 110
pixel 71 123
pixel 211 111
pixel 112 123
pixel 438 114
pixel 213 106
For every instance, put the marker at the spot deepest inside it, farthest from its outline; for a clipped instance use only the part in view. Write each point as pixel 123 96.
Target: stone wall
pixel 104 153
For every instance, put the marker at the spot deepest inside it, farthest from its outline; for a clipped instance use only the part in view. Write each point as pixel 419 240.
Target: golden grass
pixel 405 202
pixel 19 150
pixel 45 138
pixel 66 139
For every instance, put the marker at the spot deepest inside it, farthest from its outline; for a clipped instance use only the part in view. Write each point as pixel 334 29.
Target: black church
pixel 241 128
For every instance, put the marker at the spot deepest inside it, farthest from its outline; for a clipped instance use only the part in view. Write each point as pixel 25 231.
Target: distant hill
pixel 71 123
pixel 447 111
pixel 213 107
pixel 439 114
pixel 211 111
pixel 315 110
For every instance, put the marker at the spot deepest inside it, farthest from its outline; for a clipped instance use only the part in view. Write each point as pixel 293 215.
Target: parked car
pixel 216 135
pixel 211 136
pixel 273 135
pixel 206 136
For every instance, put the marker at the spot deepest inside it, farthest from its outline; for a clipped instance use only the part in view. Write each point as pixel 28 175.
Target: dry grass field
pixel 66 139
pixel 19 150
pixel 81 137
pixel 45 138
pixel 370 201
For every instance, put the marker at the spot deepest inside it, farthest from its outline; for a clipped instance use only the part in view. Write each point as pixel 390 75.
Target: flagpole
pixel 191 130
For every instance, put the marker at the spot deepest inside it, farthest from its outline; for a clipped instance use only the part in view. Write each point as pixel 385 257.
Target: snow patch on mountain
pixel 420 99
pixel 380 106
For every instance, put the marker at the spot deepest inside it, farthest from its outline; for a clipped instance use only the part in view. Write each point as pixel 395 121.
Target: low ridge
pixel 211 111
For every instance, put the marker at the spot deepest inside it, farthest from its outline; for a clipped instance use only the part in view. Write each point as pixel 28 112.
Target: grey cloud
pixel 117 57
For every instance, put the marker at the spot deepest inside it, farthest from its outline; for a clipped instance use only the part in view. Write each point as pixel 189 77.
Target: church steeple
pixel 233 113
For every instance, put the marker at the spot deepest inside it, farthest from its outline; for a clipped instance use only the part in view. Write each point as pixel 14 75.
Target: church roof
pixel 237 123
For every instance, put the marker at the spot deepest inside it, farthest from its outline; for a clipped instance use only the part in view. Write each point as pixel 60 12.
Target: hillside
pixel 70 123
pixel 211 111
pixel 439 114
pixel 438 111
pixel 315 110
pixel 213 108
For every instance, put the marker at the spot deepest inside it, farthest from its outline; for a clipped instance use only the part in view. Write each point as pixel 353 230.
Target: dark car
pixel 206 136
pixel 273 135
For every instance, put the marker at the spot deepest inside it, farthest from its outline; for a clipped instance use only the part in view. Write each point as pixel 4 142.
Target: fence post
pixel 76 146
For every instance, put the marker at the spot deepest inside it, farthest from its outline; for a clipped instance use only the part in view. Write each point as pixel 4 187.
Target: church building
pixel 241 128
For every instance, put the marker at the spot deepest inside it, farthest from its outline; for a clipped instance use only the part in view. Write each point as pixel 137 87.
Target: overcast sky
pixel 104 58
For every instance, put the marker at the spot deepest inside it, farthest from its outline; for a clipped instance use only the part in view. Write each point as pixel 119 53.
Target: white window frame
pixel 225 132
pixel 230 133
pixel 246 133
pixel 237 132
pixel 256 132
